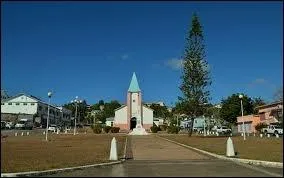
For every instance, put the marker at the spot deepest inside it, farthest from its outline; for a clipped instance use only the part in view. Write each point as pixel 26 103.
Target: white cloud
pixel 125 56
pixel 174 63
pixel 258 81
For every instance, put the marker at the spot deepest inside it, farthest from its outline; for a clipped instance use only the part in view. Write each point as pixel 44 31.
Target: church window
pixel 133 101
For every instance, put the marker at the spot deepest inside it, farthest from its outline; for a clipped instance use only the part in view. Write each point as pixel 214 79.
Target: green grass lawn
pixel 32 153
pixel 266 149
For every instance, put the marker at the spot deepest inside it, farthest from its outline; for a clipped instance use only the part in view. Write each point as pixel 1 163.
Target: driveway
pixel 153 157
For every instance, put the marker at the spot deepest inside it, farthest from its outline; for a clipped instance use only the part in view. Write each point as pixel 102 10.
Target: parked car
pixel 3 124
pixel 273 129
pixel 24 124
pixel 9 125
pixel 52 128
pixel 222 129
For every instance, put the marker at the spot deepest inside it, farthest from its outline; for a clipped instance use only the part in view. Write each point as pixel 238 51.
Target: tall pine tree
pixel 195 75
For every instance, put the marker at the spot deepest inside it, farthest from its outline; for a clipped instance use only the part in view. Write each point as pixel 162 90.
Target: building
pixel 32 108
pixel 271 113
pixel 126 116
pixel 250 121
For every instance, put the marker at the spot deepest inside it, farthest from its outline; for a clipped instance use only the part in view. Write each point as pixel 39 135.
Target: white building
pixel 126 116
pixel 27 105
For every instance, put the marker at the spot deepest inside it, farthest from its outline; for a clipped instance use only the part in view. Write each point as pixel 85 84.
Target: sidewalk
pixel 153 148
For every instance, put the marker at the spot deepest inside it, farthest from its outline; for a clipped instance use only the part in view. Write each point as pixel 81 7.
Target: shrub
pixel 154 128
pixel 260 126
pixel 163 127
pixel 97 129
pixel 114 129
pixel 173 129
pixel 107 129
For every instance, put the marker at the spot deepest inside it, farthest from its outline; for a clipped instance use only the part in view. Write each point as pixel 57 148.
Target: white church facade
pixel 126 116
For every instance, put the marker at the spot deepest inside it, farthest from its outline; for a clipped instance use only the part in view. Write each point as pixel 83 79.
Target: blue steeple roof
pixel 134 87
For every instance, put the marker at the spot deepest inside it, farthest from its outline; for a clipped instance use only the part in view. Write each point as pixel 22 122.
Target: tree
pixel 159 111
pixel 231 107
pixel 195 75
pixel 257 102
pixel 278 95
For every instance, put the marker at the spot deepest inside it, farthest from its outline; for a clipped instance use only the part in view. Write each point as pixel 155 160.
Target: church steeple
pixel 134 87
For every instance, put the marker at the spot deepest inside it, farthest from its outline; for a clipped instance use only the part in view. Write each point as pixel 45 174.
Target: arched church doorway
pixel 133 122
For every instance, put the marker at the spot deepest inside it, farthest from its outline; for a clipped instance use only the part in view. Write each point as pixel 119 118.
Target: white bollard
pixel 217 133
pixel 242 134
pixel 277 136
pixel 254 134
pixel 208 132
pixel 66 131
pixel 22 134
pixel 43 132
pixel 261 135
pixel 113 150
pixel 57 132
pixel 268 135
pixel 230 148
pixel 28 133
pixel 16 134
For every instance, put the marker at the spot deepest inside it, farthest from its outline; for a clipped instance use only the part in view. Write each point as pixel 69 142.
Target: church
pixel 126 116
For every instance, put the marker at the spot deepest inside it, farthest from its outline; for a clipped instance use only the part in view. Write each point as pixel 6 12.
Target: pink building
pixel 250 121
pixel 271 113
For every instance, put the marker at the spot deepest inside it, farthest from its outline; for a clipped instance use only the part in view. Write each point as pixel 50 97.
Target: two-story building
pixel 32 108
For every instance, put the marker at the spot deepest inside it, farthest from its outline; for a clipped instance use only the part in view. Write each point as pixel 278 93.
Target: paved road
pixel 153 157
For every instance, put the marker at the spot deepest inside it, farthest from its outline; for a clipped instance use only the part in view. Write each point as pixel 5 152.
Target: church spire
pixel 134 87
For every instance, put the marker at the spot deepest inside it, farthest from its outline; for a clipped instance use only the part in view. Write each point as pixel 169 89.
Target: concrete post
pixel 113 150
pixel 22 134
pixel 261 135
pixel 16 134
pixel 230 148
pixel 28 133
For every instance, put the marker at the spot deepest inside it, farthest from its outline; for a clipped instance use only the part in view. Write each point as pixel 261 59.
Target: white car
pixel 273 129
pixel 223 129
pixel 52 128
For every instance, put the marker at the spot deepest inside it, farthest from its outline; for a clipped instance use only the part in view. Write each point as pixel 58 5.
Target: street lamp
pixel 49 94
pixel 76 101
pixel 204 126
pixel 244 133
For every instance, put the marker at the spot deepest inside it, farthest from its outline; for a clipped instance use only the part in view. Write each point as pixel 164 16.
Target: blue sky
pixel 91 49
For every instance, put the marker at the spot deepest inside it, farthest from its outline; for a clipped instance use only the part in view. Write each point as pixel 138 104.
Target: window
pixel 2 103
pixel 133 101
pixel 25 103
pixel 17 103
pixel 40 108
pixel 9 103
pixel 111 124
pixel 32 104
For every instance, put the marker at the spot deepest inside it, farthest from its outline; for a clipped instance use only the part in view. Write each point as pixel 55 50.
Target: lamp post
pixel 244 133
pixel 49 94
pixel 76 101
pixel 204 130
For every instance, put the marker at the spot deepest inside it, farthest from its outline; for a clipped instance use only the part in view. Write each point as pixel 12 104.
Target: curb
pixel 52 171
pixel 247 161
